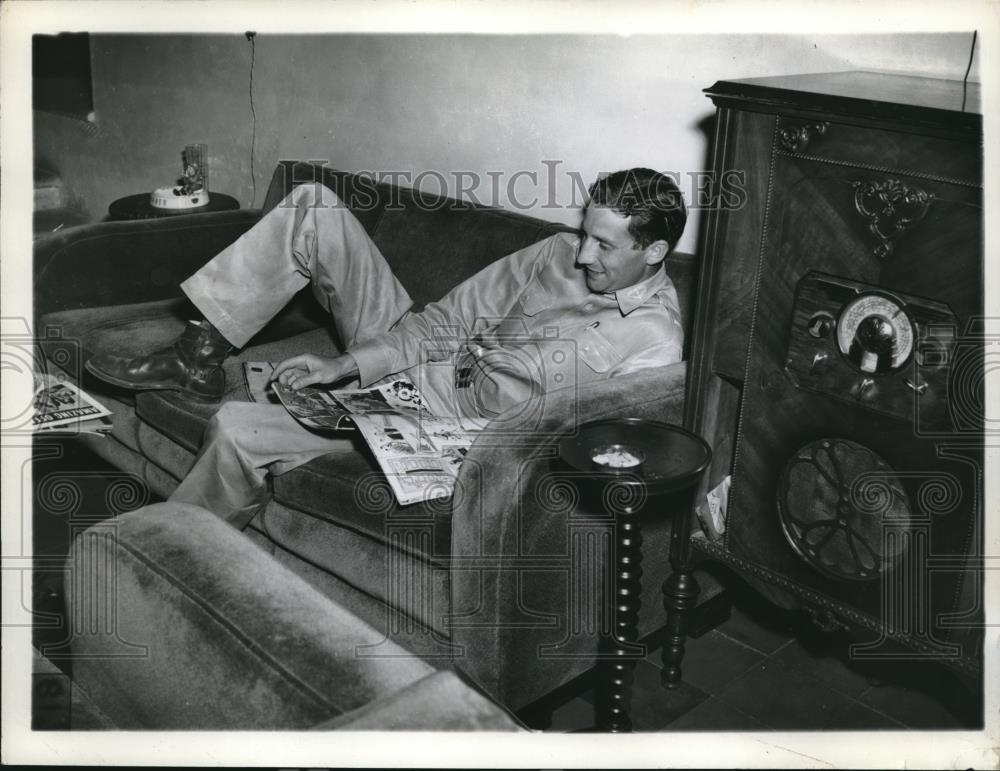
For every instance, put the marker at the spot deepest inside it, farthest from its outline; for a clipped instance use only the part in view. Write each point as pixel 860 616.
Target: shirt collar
pixel 633 296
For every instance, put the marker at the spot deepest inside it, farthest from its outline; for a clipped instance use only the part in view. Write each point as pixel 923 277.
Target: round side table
pixel 137 207
pixel 623 464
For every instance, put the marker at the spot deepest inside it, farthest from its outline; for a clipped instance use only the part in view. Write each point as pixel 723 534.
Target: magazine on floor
pixel 418 452
pixel 61 407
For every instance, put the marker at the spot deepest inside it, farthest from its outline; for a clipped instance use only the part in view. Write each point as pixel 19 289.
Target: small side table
pixel 656 459
pixel 137 207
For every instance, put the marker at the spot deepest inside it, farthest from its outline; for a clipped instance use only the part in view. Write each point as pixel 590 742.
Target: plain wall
pixel 432 104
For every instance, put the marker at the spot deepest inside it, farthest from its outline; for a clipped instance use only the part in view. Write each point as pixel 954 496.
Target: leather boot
pixel 192 365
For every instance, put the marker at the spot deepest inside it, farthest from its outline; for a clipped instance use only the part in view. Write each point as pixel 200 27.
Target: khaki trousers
pixel 309 238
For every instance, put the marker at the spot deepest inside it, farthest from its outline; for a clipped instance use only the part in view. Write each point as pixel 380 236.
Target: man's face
pixel 608 253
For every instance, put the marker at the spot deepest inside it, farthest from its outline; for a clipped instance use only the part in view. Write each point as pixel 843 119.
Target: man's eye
pixel 603 246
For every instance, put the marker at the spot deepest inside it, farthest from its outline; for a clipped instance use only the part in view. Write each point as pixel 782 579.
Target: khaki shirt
pixel 523 326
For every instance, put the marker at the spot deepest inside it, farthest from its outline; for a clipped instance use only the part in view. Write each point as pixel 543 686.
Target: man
pixel 564 311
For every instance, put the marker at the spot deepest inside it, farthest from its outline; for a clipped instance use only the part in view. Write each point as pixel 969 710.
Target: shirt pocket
pixel 595 350
pixel 535 298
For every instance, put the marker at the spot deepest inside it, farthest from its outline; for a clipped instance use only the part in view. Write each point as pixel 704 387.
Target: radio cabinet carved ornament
pixel 796 138
pixel 891 208
pixel 837 358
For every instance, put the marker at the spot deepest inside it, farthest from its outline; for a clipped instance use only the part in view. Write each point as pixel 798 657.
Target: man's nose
pixel 586 255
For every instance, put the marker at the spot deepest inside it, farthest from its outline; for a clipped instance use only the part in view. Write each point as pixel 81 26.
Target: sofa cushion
pixel 386 568
pixel 183 419
pixel 139 328
pixel 414 637
pixel 132 330
pixel 126 330
pixel 345 486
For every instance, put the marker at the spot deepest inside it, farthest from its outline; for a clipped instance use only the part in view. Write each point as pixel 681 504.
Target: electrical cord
pixel 253 114
pixel 965 80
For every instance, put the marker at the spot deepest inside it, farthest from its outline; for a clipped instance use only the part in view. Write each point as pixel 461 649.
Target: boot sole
pixel 133 387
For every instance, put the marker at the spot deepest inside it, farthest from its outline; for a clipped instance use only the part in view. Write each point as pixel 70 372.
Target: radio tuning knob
pixel 864 389
pixel 820 325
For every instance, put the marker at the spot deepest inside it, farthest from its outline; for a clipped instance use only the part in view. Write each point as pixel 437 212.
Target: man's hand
pixel 309 369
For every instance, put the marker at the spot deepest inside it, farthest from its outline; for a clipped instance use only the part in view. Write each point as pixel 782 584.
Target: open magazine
pixel 61 407
pixel 419 452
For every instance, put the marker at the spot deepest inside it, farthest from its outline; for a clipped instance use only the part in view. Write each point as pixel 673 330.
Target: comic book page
pixel 97 426
pixel 62 406
pixel 419 452
pixel 314 407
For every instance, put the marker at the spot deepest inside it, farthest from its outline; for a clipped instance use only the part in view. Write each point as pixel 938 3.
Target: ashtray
pixel 617 458
pixel 665 457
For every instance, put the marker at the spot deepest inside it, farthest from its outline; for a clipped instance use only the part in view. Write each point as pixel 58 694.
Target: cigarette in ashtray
pixel 617 456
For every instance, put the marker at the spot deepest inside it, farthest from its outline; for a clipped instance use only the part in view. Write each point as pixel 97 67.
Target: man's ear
pixel 656 252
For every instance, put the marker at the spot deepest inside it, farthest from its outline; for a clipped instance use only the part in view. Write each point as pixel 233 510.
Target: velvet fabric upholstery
pixel 463 239
pixel 512 546
pixel 237 641
pixel 431 242
pixel 135 261
pixel 352 475
pixel 480 578
pixel 407 582
pixel 438 702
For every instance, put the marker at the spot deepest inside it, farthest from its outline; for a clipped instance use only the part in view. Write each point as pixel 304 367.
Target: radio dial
pixel 873 348
pixel 875 334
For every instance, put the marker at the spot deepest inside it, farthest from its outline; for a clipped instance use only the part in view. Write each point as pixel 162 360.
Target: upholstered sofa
pixel 481 582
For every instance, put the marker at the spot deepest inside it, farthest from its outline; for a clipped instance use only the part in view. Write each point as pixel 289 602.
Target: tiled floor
pixel 766 669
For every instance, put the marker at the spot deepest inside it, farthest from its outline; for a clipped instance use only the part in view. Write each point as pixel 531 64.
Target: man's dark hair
pixel 652 202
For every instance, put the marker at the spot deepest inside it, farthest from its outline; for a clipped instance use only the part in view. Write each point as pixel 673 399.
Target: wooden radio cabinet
pixel 837 355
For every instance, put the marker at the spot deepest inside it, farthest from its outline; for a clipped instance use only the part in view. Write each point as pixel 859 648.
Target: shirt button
pixel 588 307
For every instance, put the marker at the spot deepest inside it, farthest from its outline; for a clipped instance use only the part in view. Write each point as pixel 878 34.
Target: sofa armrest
pixel 113 263
pixel 438 702
pixel 183 623
pixel 512 517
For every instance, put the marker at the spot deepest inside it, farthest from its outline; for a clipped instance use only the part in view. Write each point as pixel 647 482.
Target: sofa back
pixel 433 242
